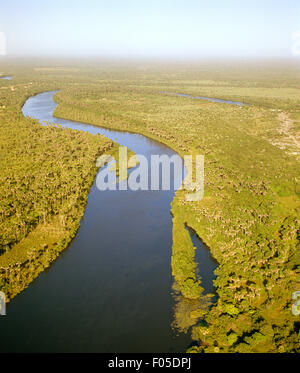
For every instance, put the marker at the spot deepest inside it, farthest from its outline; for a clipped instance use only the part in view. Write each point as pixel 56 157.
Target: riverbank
pixel 249 216
pixel 42 209
pixel 183 252
pixel 245 206
pixel 127 269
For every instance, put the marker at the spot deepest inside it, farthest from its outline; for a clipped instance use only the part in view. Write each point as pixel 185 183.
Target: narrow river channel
pixel 111 290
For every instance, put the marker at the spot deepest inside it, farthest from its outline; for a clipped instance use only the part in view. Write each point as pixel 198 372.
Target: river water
pixel 111 290
pixel 211 99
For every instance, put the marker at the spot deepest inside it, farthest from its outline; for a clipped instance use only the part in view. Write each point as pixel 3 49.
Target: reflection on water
pixel 188 312
pixel 6 77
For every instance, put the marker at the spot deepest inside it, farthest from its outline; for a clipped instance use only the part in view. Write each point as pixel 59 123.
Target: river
pixel 211 99
pixel 111 290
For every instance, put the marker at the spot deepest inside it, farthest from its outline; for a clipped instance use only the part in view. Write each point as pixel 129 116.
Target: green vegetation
pixel 249 216
pixel 45 177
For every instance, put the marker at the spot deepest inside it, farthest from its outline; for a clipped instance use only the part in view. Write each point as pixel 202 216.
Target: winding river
pixel 111 290
pixel 211 99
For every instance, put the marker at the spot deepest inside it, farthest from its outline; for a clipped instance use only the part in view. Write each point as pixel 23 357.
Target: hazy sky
pixel 150 28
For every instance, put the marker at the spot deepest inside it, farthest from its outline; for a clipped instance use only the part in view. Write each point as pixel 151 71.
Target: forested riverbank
pixel 46 174
pixel 249 216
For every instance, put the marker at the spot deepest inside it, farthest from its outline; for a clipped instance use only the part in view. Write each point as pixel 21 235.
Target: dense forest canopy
pixel 249 216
